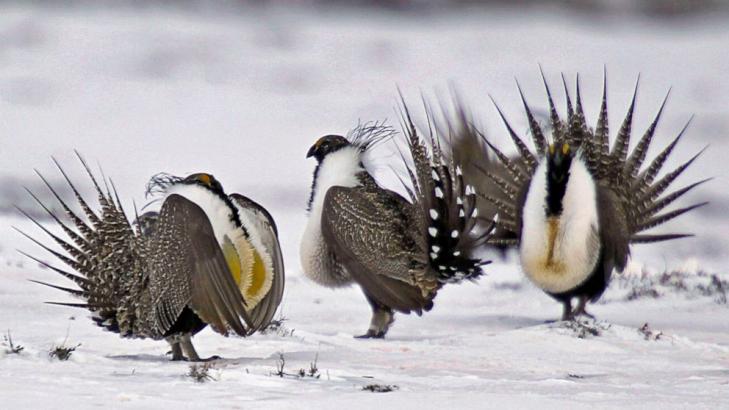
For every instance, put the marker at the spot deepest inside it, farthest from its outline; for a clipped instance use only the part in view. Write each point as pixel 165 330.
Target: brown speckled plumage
pixel 165 278
pixel 400 251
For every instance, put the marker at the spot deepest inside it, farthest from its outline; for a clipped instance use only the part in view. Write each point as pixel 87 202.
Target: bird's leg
pixel 567 313
pixel 189 349
pixel 382 318
pixel 176 349
pixel 580 309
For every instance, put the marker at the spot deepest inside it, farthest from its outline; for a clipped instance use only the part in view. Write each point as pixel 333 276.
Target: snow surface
pixel 243 96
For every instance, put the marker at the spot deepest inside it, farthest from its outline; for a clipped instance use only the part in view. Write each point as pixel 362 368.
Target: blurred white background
pixel 242 88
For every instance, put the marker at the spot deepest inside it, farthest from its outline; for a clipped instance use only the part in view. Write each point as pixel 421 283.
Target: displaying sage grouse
pixel 399 251
pixel 206 258
pixel 577 204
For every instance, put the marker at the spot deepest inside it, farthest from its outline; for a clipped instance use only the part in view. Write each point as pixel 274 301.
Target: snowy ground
pixel 243 96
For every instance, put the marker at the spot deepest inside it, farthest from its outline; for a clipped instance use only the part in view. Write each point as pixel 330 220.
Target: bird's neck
pixel 340 168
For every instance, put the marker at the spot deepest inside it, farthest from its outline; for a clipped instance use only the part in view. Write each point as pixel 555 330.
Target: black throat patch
pixel 313 187
pixel 558 173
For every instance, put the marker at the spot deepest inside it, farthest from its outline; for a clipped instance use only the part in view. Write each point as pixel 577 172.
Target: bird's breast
pixel 555 258
pixel 318 261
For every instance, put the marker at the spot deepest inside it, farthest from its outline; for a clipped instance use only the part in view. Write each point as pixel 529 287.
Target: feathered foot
pixel 382 318
pixel 183 350
pixel 176 351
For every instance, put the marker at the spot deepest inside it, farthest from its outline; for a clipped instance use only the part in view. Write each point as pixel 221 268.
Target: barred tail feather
pixel 445 203
pixel 615 166
pixel 537 135
pixel 95 251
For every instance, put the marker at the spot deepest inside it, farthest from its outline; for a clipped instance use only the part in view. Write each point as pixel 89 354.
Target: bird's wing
pixel 614 235
pixel 369 235
pixel 187 268
pixel 262 314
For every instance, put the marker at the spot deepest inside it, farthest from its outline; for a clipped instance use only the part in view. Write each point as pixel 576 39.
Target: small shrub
pixel 688 284
pixel 62 352
pixel 583 329
pixel 276 327
pixel 10 347
pixel 280 365
pixel 648 333
pixel 312 372
pixel 200 373
pixel 313 369
pixel 380 388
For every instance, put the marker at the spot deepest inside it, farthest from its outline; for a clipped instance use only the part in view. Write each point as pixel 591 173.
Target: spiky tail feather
pixel 617 167
pixel 100 251
pixel 446 206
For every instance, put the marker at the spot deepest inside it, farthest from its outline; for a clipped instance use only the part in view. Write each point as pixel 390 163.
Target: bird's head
pixel 205 180
pixel 559 161
pixel 327 145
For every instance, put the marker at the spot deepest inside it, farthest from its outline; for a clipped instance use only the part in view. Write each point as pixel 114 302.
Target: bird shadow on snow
pixel 161 358
pixel 495 321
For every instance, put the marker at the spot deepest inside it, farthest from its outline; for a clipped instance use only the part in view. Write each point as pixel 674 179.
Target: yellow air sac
pixel 251 270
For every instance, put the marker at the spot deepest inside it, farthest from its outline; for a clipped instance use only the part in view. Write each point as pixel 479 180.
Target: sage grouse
pixel 399 251
pixel 206 258
pixel 577 204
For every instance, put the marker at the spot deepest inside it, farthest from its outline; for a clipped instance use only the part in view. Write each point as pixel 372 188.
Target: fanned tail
pixel 102 252
pixel 446 205
pixel 642 196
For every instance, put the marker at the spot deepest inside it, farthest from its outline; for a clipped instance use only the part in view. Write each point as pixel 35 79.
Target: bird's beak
pixel 312 151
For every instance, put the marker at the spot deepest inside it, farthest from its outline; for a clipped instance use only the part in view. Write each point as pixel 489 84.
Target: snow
pixel 243 96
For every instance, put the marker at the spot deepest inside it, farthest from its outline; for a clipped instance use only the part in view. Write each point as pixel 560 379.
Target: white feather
pixel 214 207
pixel 254 224
pixel 339 168
pixel 576 246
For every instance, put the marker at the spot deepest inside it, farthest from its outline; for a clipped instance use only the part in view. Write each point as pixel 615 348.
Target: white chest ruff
pixel 217 211
pixel 250 251
pixel 560 253
pixel 338 169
